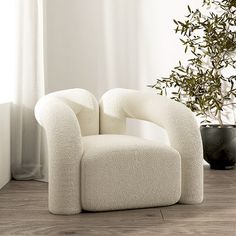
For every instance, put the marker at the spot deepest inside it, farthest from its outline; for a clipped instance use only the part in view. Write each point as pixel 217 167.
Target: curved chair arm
pixel 64 153
pixel 177 119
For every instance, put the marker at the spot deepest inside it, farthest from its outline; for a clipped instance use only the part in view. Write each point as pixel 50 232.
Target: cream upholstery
pixel 65 115
pixel 116 171
pixel 183 132
pixel 122 172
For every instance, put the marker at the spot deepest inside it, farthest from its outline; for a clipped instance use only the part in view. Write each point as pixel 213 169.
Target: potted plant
pixel 207 82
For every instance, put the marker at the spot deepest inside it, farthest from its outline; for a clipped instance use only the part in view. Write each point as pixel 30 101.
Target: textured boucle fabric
pixel 64 115
pixel 104 169
pixel 84 105
pixel 122 172
pixel 183 131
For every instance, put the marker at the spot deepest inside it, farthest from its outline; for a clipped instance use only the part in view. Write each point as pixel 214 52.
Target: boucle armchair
pixel 94 166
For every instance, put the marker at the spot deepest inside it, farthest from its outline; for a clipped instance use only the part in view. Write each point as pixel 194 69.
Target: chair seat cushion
pixel 122 172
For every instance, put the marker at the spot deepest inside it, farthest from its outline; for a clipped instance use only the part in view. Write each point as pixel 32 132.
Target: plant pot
pixel 219 146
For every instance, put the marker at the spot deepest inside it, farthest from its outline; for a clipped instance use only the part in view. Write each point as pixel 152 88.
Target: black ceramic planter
pixel 219 145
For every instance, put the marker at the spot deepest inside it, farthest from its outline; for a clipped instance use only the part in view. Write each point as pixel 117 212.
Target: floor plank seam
pixel 162 216
pixel 24 211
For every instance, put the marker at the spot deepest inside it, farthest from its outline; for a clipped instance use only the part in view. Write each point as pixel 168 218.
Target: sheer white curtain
pixel 27 153
pixel 95 45
pixel 102 44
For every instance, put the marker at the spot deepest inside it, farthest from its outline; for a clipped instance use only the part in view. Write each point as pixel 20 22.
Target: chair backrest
pixel 118 104
pixel 82 103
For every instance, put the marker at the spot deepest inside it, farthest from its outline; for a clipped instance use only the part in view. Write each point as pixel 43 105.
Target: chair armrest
pixel 64 153
pixel 177 119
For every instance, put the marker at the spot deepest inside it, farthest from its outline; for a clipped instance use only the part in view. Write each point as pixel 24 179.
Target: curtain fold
pixel 27 141
pixel 95 45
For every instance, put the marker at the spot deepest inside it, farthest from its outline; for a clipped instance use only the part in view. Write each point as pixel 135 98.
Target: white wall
pixel 101 44
pixel 5 174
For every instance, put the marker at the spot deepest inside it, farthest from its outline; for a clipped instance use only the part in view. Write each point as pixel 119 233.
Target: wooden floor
pixel 23 211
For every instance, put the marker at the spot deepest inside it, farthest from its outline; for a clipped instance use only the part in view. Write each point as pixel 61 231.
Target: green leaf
pixel 186 49
pixel 189 9
pixel 211 37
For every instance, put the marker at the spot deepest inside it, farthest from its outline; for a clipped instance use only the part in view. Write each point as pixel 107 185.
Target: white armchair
pixel 108 170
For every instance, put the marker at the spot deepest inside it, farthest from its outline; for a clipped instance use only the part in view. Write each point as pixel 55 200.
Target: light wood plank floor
pixel 23 211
